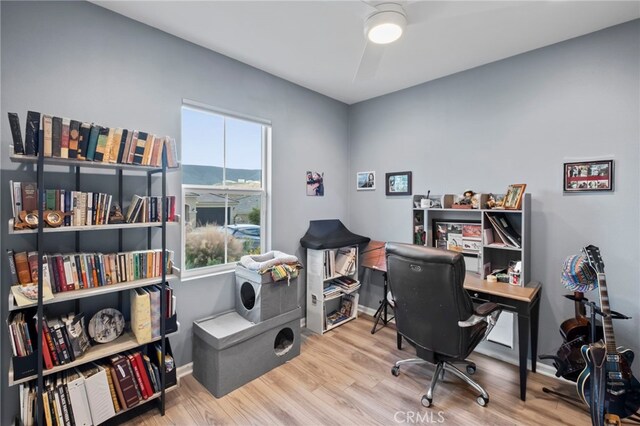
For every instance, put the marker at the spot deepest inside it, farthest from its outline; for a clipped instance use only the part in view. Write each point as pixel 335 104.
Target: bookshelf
pixel 127 341
pixel 332 296
pixel 484 256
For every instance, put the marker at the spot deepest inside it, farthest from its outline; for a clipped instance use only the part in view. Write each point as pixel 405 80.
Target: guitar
pixel 607 384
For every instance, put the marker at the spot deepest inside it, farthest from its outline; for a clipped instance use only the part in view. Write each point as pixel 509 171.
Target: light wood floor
pixel 344 378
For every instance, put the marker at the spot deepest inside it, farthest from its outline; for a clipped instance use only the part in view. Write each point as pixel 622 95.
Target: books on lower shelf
pixel 97 391
pixel 73 139
pixel 145 209
pixel 344 312
pixel 146 311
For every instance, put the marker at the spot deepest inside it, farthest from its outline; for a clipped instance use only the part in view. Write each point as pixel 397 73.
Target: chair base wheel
pixel 471 369
pixel 426 402
pixel 482 401
pixel 395 370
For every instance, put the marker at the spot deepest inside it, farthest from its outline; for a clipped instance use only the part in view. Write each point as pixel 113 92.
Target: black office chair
pixel 434 312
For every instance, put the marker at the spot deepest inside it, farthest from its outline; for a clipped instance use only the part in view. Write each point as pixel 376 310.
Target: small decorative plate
pixel 106 325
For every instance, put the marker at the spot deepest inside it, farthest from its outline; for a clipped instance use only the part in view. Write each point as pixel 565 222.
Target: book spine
pixel 115 145
pixel 112 390
pixel 83 140
pixel 48 349
pixel 29 196
pixel 12 268
pixel 124 142
pixel 74 138
pixel 138 376
pixel 92 143
pixel 16 134
pixel 118 387
pixel 32 258
pixel 62 280
pixel 64 138
pixel 101 144
pixel 57 136
pixel 22 267
pixel 139 148
pixel 47 135
pixel 16 188
pixel 132 147
pixel 32 137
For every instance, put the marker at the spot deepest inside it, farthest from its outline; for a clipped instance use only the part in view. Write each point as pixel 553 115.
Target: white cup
pixel 426 203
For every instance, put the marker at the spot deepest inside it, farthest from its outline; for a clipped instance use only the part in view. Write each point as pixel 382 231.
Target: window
pixel 224 189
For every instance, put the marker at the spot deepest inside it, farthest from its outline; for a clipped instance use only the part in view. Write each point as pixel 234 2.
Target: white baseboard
pixel 184 370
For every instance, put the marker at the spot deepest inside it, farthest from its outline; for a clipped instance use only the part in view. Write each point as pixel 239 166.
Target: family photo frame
pixel 513 197
pixel 398 183
pixel 588 176
pixel 366 181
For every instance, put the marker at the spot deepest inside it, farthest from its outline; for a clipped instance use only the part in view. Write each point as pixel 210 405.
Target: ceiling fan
pixel 387 21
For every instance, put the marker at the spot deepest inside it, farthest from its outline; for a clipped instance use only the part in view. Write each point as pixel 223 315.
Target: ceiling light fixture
pixel 386 25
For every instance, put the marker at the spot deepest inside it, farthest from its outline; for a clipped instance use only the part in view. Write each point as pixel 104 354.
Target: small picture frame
pixel 398 183
pixel 366 181
pixel 513 198
pixel 588 176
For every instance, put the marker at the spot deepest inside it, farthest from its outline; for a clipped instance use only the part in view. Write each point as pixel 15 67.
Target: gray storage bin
pixel 258 298
pixel 230 351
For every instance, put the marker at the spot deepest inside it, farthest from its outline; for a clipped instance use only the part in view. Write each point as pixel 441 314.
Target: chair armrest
pixel 488 312
pixel 486 309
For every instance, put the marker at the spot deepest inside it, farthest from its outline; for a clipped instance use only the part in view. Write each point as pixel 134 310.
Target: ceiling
pixel 319 44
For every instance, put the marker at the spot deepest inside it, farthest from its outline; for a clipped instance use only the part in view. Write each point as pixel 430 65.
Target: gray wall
pixel 514 121
pixel 81 61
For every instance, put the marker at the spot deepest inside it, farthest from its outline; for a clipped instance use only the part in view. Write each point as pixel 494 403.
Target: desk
pixel 525 302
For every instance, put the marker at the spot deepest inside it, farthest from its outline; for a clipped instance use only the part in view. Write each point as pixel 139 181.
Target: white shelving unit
pixel 496 255
pixel 319 307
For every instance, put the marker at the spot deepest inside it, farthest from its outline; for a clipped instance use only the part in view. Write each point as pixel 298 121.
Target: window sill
pixel 209 272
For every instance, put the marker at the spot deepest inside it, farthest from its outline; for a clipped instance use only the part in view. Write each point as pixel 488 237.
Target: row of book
pixel 146 311
pixel 339 262
pixel 146 209
pixel 79 208
pixel 93 393
pixel 343 313
pixel 75 271
pixel 64 339
pixel 340 285
pixel 507 236
pixel 89 208
pixel 67 138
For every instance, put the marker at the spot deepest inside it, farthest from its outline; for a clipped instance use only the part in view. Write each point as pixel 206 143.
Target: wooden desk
pixel 525 302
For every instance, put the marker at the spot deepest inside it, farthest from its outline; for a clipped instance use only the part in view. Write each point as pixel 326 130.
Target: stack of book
pixel 342 314
pixel 145 209
pixel 346 284
pixel 507 236
pixel 67 138
pixel 20 336
pixel 63 339
pixel 146 311
pixel 331 291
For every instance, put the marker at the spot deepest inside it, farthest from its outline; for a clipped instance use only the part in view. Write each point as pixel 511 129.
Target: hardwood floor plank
pixel 344 378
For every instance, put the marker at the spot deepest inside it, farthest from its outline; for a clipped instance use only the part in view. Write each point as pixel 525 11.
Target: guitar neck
pixel 607 323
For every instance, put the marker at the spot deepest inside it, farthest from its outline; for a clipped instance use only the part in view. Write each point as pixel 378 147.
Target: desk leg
pixel 523 337
pixel 534 334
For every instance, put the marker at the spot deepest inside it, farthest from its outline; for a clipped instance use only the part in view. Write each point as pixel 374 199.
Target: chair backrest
pixel 427 287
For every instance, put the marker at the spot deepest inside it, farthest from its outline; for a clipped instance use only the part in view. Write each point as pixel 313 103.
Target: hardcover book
pixel 92 142
pixel 32 133
pixel 74 138
pixel 124 143
pixel 57 136
pixel 126 380
pixel 101 146
pixel 16 134
pixel 140 147
pixel 29 196
pixel 47 135
pixel 83 140
pixel 64 138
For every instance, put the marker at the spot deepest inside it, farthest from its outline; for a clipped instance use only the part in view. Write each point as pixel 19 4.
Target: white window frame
pixel 265 192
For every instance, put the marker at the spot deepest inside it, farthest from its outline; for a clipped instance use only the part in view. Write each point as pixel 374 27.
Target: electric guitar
pixel 607 384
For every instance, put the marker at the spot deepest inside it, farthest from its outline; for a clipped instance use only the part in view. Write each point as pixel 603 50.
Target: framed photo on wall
pixel 588 176
pixel 398 183
pixel 365 181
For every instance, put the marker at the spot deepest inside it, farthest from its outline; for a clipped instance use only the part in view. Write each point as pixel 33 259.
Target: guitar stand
pixel 595 310
pixel 382 314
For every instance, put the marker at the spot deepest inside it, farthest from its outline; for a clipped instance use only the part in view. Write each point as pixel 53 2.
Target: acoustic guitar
pixel 607 384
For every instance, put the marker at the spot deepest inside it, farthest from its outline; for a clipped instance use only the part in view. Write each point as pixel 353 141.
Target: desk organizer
pixel 230 351
pixel 259 298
